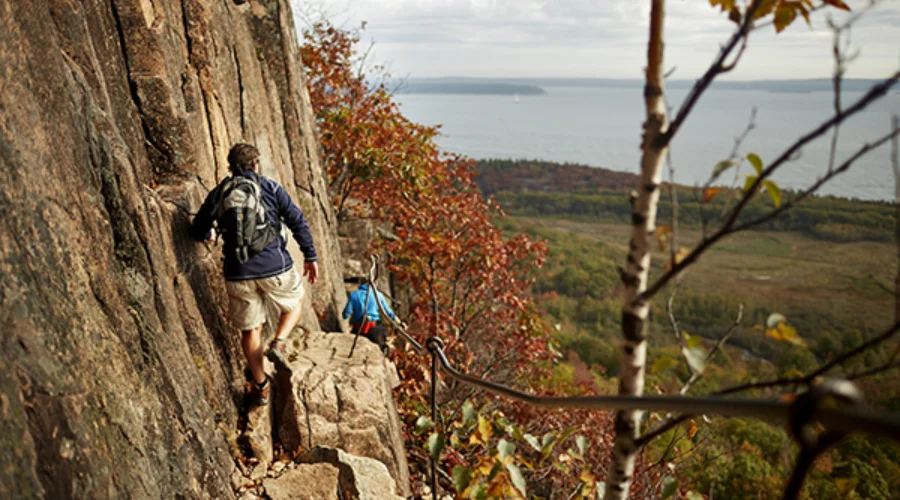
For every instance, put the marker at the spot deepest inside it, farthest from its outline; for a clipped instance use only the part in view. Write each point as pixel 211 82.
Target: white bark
pixel 635 276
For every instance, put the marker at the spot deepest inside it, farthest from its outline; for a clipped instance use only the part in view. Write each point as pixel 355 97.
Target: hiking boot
pixel 277 354
pixel 259 396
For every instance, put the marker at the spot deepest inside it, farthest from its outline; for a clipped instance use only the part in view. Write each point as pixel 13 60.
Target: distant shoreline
pixel 470 88
pixel 535 86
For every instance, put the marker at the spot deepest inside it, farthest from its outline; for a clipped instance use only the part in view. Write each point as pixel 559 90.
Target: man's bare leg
pixel 253 350
pixel 277 352
pixel 287 323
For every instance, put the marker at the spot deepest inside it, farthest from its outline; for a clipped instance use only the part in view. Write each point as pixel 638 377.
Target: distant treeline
pixel 531 188
pixel 495 175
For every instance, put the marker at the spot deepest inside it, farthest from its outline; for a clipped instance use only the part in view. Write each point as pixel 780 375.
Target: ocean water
pixel 601 127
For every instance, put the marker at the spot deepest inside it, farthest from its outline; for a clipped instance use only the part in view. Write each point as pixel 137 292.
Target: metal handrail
pixel 840 419
pixel 835 404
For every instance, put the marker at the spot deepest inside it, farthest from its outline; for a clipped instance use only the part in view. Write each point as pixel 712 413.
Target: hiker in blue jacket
pixel 365 316
pixel 263 269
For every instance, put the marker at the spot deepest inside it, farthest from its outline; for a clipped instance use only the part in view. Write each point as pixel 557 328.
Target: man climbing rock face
pixel 249 210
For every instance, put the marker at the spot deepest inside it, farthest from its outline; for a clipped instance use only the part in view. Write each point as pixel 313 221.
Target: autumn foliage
pixel 469 286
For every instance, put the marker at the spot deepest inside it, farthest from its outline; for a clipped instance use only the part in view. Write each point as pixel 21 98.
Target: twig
pixel 672 320
pixel 712 352
pixel 873 371
pixel 665 426
pixel 818 184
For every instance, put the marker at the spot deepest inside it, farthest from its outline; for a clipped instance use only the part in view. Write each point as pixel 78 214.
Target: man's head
pixel 243 157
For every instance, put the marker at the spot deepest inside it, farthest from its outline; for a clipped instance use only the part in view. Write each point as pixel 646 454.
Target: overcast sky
pixel 594 38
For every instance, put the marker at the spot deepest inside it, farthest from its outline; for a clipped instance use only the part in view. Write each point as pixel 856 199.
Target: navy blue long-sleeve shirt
pixel 274 259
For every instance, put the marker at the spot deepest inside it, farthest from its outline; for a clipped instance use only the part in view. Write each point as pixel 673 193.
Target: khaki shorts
pixel 246 299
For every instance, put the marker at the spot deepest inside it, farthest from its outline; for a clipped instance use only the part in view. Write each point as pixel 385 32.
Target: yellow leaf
pixel 765 8
pixel 484 428
pixel 663 236
pixel 678 257
pixel 784 16
pixel 709 192
pixel 722 4
pixel 587 476
pixel 784 332
pixel 774 192
pixel 692 430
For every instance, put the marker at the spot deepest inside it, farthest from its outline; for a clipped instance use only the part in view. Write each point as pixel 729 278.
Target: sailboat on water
pixel 516 98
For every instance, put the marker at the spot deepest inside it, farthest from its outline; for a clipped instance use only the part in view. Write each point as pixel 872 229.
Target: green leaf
pixel 756 161
pixel 469 415
pixel 462 476
pixel 693 495
pixel 749 183
pixel 582 443
pixel 423 424
pixel 533 442
pixel 670 486
pixel 662 364
pixel 696 358
pixel 494 471
pixel 601 489
pixel 547 439
pixel 479 492
pixel 517 479
pixel 505 448
pixel 435 445
pixel 774 192
pixel 722 166
pixel 691 341
pixel 566 433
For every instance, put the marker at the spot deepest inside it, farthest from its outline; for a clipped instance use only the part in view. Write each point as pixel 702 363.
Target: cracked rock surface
pixel 334 401
pixel 119 377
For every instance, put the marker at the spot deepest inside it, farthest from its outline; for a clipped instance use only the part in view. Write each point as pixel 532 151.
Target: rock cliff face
pixel 118 375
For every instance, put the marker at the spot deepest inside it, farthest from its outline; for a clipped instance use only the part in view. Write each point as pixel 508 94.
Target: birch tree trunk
pixel 643 220
pixel 895 165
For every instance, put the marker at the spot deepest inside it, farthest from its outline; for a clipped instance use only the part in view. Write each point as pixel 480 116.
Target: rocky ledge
pixel 334 413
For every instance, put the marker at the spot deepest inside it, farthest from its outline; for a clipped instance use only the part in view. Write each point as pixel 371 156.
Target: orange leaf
pixel 837 3
pixel 692 430
pixel 663 236
pixel 709 192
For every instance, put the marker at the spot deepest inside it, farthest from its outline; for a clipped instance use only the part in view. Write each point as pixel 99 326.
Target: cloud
pixel 597 38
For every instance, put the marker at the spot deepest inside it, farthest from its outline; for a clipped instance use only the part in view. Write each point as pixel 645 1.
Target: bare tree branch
pixel 895 164
pixel 818 184
pixel 717 68
pixel 877 91
pixel 667 425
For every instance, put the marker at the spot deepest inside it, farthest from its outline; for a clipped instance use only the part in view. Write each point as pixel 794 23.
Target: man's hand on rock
pixel 311 271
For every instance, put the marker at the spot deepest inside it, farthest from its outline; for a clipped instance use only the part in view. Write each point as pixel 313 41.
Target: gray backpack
pixel 241 217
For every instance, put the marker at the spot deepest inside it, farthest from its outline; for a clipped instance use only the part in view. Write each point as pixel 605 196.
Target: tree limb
pixel 874 93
